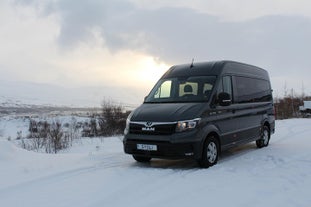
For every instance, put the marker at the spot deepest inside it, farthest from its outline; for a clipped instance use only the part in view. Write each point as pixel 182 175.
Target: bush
pixel 50 137
pixel 112 120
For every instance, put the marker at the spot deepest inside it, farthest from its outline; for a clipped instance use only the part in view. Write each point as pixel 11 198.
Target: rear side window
pixel 251 90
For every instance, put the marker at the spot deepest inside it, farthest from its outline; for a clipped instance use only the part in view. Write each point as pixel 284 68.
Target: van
pixel 198 110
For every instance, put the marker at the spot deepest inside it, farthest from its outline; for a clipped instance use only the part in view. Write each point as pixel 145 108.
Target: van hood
pixel 167 112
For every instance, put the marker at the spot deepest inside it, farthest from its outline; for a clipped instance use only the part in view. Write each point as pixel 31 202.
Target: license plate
pixel 147 147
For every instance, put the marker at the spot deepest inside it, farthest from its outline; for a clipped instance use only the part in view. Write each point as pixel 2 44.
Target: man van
pixel 198 110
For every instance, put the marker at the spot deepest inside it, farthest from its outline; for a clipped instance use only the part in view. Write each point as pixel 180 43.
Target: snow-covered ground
pixel 96 172
pixel 10 125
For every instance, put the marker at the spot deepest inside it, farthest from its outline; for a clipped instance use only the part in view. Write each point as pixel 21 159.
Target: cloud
pixel 235 10
pixel 280 43
pixel 80 19
pixel 176 34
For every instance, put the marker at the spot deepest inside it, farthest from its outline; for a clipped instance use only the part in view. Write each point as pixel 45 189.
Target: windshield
pixel 182 89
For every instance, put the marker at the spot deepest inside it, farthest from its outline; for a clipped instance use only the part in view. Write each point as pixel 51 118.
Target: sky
pixel 126 45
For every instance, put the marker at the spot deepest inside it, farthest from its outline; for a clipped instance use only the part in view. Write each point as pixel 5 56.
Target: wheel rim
pixel 265 137
pixel 211 152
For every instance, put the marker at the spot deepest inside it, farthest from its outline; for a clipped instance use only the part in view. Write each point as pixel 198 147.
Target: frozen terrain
pixel 96 172
pixel 29 94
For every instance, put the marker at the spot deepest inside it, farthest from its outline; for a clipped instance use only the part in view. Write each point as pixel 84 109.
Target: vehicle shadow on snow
pixel 236 152
pixel 188 164
pixel 182 164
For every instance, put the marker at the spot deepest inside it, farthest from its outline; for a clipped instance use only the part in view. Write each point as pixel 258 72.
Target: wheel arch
pixel 216 135
pixel 209 156
pixel 267 124
pixel 210 130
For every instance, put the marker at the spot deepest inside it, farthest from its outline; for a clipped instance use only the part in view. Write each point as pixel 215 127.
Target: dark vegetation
pixel 53 136
pixel 288 106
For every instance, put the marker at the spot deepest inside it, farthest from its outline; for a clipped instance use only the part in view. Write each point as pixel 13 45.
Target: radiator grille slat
pixel 160 129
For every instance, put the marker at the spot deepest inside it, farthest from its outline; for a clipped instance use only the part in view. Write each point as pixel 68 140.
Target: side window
pixel 252 90
pixel 164 91
pixel 207 87
pixel 227 85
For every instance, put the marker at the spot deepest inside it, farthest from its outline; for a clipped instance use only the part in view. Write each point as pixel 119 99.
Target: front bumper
pixel 166 146
pixel 164 149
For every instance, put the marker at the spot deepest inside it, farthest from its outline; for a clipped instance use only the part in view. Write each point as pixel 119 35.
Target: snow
pixel 26 94
pixel 10 125
pixel 96 172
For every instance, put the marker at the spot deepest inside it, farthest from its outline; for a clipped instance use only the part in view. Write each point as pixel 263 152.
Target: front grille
pixel 156 129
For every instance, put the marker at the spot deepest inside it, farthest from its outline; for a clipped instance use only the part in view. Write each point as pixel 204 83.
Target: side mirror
pixel 224 99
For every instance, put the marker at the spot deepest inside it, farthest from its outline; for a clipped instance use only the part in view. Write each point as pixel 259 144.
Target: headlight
pixel 187 125
pixel 127 125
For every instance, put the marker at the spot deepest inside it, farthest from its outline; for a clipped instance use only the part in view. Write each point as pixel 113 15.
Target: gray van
pixel 198 110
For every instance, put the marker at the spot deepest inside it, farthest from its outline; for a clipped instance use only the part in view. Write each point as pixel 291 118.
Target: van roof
pixel 216 68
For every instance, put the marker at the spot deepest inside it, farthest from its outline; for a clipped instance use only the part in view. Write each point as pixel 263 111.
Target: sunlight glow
pixel 150 71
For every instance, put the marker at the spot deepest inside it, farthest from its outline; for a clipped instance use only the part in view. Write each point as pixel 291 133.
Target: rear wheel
pixel 141 159
pixel 265 138
pixel 210 152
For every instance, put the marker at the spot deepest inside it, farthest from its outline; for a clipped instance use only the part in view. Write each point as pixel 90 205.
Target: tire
pixel 141 159
pixel 265 138
pixel 210 152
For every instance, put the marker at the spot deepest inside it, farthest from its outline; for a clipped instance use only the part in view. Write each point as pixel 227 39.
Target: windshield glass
pixel 182 89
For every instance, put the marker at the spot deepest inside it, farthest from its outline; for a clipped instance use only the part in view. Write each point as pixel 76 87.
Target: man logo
pixel 148 127
pixel 148 124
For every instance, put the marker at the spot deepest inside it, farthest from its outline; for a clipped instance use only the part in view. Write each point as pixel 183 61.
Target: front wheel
pixel 265 138
pixel 141 159
pixel 210 152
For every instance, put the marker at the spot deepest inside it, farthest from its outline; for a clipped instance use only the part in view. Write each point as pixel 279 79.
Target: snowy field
pixel 97 173
pixel 10 125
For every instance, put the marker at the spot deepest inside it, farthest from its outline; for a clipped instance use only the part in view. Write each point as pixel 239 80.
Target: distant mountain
pixel 15 94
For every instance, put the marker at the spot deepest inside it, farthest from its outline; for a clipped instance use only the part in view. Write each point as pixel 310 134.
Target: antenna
pixel 191 66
